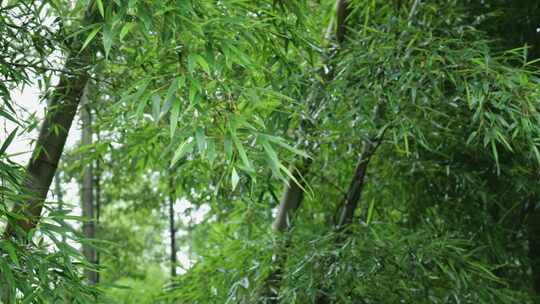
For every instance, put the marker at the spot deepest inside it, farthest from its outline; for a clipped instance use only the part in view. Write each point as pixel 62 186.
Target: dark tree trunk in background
pixel 50 144
pixel 172 225
pixel 355 191
pixel 356 186
pixel 61 109
pixel 89 225
pixel 342 13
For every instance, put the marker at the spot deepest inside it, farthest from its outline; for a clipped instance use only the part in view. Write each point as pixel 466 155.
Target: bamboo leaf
pixel 100 8
pixel 107 39
pixel 172 89
pixel 203 64
pixel 242 153
pixel 141 102
pixel 175 110
pixel 227 144
pixel 200 139
pixel 8 141
pixel 125 29
pixel 182 150
pixel 90 37
pixel 370 211
pixel 234 178
pixel 12 252
pixel 272 158
pixel 156 107
pixel 211 150
pixel 281 142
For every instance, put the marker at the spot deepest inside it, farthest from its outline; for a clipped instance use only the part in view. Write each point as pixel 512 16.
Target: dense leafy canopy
pixel 204 115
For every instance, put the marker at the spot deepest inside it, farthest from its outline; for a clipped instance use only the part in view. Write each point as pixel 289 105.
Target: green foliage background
pixel 225 99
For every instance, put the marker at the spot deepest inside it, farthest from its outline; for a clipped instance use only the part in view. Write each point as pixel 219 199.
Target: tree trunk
pixel 172 226
pixel 290 199
pixel 355 191
pixel 89 228
pixel 356 187
pixel 292 193
pixel 61 110
pixel 342 13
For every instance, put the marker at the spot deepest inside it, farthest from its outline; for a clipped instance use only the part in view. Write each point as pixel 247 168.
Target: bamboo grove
pixel 233 151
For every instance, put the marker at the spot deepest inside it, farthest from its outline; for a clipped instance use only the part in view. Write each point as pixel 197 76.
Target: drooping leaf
pixel 234 178
pixel 107 39
pixel 175 111
pixel 100 8
pixel 183 149
pixel 201 139
pixel 90 37
pixel 8 141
